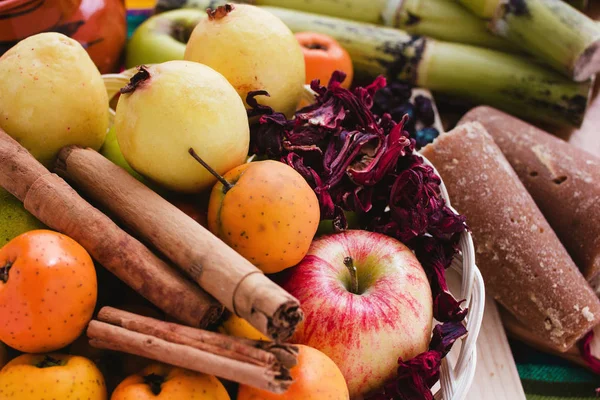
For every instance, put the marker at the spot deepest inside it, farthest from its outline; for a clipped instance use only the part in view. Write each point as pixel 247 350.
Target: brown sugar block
pixel 564 181
pixel 524 265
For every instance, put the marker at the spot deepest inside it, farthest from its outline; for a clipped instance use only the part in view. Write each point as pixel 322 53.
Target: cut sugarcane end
pixel 588 63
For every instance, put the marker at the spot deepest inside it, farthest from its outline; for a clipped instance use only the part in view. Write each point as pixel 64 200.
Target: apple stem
pixel 227 186
pixel 4 271
pixel 349 263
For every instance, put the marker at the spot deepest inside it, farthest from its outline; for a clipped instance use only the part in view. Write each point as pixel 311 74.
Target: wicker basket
pixel 456 375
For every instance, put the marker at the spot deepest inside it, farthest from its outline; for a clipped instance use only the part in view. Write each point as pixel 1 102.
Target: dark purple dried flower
pixel 444 336
pixel 447 309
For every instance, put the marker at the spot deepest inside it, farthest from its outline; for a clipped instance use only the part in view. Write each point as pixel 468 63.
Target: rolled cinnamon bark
pixel 524 265
pixel 56 204
pixel 216 267
pixel 563 180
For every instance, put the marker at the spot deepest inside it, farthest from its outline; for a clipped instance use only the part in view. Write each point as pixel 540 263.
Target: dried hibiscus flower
pixel 356 160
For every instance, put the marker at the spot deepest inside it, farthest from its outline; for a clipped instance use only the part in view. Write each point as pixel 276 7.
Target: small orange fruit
pixel 51 376
pixel 164 382
pixel 316 377
pixel 322 56
pixel 237 326
pixel 48 291
pixel 268 213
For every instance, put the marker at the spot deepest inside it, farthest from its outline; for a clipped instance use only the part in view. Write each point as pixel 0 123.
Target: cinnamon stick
pixel 237 348
pixel 217 268
pixel 56 204
pixel 195 349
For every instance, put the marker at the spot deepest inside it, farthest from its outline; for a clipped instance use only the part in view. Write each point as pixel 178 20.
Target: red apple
pixel 366 301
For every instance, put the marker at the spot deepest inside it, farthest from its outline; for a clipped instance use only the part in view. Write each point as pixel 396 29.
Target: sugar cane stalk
pixel 445 20
pixel 551 30
pixel 476 75
pixel 482 8
pixel 441 19
pixel 480 76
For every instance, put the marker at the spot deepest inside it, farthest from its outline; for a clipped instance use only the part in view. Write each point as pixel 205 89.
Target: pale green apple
pixel 112 151
pixel 162 37
pixel 14 219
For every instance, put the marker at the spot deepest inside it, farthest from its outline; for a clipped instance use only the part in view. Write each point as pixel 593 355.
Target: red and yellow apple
pixel 367 302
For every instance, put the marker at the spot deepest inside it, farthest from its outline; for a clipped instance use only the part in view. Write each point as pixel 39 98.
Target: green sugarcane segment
pixel 445 20
pixel 482 8
pixel 512 83
pixel 441 19
pixel 370 11
pixel 553 31
pixel 356 10
pixel 473 74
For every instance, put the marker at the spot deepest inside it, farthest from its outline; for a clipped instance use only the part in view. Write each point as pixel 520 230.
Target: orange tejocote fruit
pixel 48 291
pixel 159 381
pixel 316 377
pixel 51 376
pixel 323 55
pixel 267 212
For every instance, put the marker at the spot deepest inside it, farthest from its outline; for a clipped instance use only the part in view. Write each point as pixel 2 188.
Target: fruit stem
pixel 219 12
pixel 155 382
pixel 136 80
pixel 349 263
pixel 4 271
pixel 227 186
pixel 49 362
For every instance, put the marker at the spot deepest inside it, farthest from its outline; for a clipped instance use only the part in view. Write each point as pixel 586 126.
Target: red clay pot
pixel 99 25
